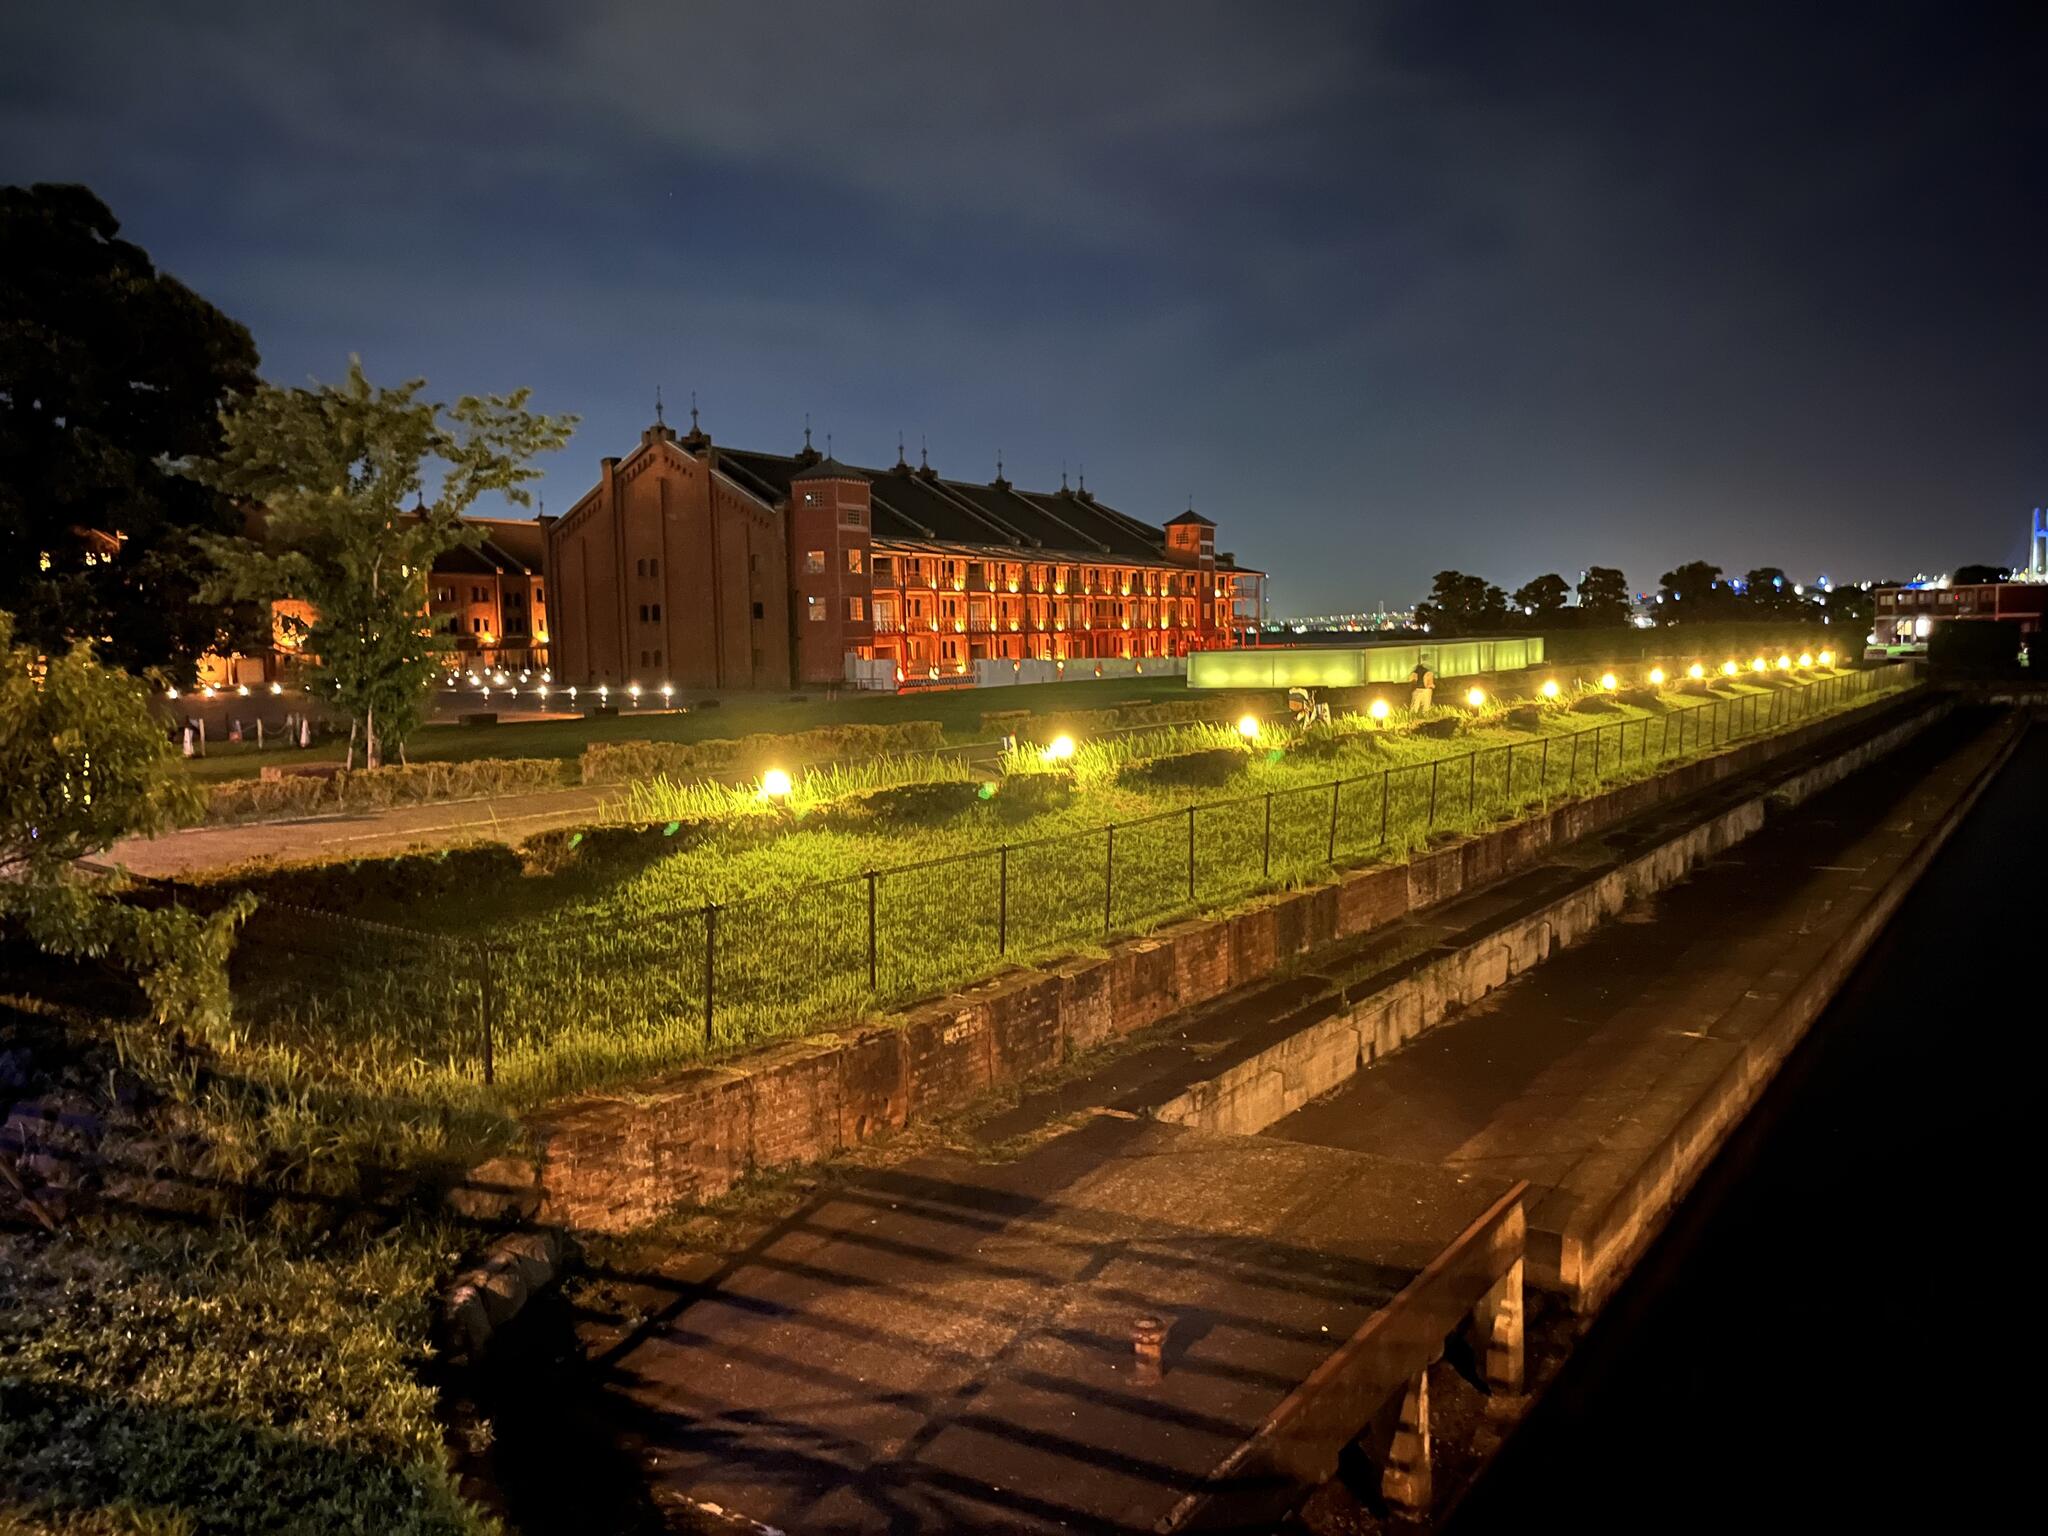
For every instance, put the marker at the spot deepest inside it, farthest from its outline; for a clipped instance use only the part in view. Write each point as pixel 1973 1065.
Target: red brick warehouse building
pixel 711 567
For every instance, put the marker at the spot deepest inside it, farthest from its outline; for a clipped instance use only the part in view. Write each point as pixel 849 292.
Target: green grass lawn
pixel 598 960
pixel 230 1329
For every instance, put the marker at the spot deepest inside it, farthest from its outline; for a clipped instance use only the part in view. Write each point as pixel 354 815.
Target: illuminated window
pixel 817 611
pixel 853 561
pixel 854 611
pixel 814 562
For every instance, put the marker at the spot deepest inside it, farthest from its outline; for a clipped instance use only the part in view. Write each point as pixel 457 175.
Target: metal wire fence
pixel 568 1002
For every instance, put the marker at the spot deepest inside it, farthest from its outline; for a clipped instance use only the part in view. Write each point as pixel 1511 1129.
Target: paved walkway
pixel 354 834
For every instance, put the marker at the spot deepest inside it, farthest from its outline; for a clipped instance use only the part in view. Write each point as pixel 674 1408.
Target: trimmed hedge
pixel 622 762
pixel 371 789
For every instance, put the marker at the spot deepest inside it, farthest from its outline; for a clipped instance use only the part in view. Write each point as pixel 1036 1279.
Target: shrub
pixel 623 762
pixel 1205 768
pixel 914 804
pixel 1025 795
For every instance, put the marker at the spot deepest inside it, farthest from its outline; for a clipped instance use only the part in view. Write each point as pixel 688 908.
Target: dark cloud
pixel 1505 286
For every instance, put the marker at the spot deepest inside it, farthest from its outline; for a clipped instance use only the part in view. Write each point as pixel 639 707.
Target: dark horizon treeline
pixel 1695 592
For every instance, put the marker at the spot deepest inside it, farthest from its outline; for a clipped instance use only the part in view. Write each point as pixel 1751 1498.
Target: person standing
pixel 1422 687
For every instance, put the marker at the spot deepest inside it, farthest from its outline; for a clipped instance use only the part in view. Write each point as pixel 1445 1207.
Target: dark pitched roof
pixel 1189 516
pixel 829 469
pixel 917 504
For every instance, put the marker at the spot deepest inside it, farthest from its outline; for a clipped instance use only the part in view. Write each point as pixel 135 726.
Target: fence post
pixel 1543 772
pixel 1191 850
pixel 488 1007
pixel 1471 782
pixel 1435 764
pixel 874 968
pixel 1266 868
pixel 1386 789
pixel 1572 781
pixel 710 965
pixel 1509 778
pixel 1336 789
pixel 1003 900
pixel 1108 874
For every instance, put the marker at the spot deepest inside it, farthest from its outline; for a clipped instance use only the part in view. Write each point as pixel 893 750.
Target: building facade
pixel 709 567
pixel 1907 617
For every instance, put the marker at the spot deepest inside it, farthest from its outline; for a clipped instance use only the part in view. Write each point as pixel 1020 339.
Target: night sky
pixel 1509 288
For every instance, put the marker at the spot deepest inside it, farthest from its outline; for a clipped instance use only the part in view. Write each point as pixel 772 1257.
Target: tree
pixel 333 466
pixel 1980 575
pixel 1543 598
pixel 83 764
pixel 1693 591
pixel 1851 610
pixel 109 370
pixel 1603 596
pixel 1460 604
pixel 1770 592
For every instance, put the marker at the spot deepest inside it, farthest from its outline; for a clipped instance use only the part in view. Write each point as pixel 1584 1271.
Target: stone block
pixel 949 1056
pixel 874 1094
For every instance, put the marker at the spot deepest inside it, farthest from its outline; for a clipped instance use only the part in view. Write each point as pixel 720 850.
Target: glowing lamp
pixel 1060 749
pixel 1377 709
pixel 1759 665
pixel 668 692
pixel 276 689
pixel 1695 671
pixel 542 690
pixel 170 693
pixel 1806 658
pixel 1728 669
pixel 1248 727
pixel 1549 689
pixel 1609 681
pixel 634 691
pixel 1784 663
pixel 775 785
pixel 1827 658
pixel 1656 677
pixel 1476 697
pixel 243 691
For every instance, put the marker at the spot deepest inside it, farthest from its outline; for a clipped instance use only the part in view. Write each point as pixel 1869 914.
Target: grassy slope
pixel 599 963
pixel 228 1338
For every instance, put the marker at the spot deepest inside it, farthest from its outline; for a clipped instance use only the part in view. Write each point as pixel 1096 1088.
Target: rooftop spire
pixel 1063 476
pixel 923 457
pixel 901 462
pixel 807 431
pixel 658 421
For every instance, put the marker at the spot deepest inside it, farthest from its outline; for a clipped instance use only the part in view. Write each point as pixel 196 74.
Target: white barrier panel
pixel 878 674
pixel 997 672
